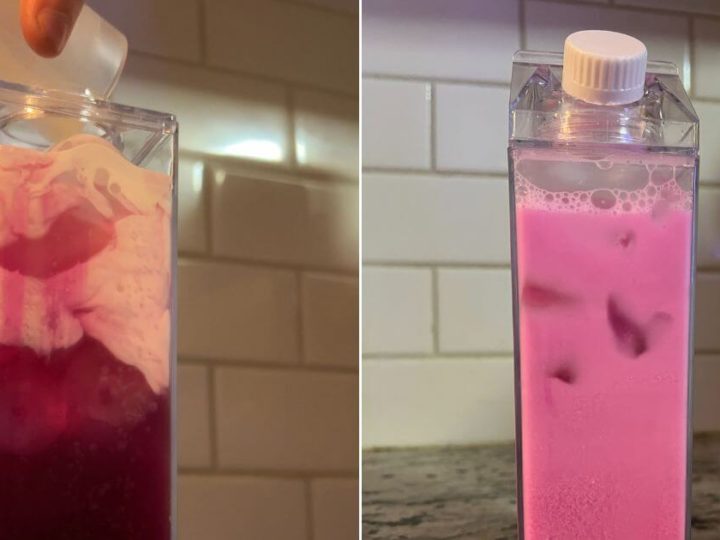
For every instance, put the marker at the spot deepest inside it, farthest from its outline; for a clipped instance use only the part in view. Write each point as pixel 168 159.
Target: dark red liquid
pixel 84 440
pixel 84 448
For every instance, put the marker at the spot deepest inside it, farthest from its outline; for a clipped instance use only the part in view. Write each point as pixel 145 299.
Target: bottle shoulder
pixel 540 111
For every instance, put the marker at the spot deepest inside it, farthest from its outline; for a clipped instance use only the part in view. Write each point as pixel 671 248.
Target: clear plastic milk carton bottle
pixel 87 235
pixel 603 158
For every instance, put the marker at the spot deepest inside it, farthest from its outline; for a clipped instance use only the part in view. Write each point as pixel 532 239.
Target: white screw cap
pixel 604 68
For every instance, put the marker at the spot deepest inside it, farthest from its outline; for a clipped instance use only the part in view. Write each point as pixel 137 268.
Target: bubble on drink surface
pixel 684 178
pixel 661 175
pixel 638 195
pixel 603 198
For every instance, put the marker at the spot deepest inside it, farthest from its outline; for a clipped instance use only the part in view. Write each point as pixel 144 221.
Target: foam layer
pixel 603 185
pixel 662 189
pixel 85 249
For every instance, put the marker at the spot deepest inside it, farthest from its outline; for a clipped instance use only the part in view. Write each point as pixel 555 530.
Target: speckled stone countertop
pixel 468 493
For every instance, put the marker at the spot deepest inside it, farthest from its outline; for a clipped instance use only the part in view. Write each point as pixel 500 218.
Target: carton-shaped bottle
pixel 603 156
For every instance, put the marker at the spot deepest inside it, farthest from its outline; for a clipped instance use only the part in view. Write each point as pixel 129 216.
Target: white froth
pixel 120 296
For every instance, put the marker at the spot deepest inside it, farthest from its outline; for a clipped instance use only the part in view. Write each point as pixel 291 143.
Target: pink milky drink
pixel 603 206
pixel 86 318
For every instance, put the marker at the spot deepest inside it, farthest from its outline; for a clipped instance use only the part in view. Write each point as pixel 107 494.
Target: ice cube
pixel 543 296
pixel 603 198
pixel 566 373
pixel 661 175
pixel 74 237
pixel 629 335
pixel 33 412
pixel 626 239
pixel 99 388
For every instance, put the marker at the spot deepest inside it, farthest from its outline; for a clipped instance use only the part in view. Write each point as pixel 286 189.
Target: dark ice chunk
pixel 629 335
pixel 565 373
pixel 542 296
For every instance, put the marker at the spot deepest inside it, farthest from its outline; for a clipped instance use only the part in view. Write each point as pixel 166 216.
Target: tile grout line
pixel 435 292
pixel 267 365
pixel 291 128
pixel 257 77
pixel 390 77
pixel 213 258
pixel 310 521
pixel 302 359
pixel 202 30
pixel 212 420
pixel 522 25
pixel 437 173
pixel 290 474
pixel 269 171
pixel 691 60
pixel 208 206
pixel 468 355
pixel 319 8
pixel 436 264
pixel 433 126
pixel 639 9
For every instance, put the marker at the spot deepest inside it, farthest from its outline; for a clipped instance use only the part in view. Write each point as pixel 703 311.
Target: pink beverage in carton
pixel 603 192
pixel 85 356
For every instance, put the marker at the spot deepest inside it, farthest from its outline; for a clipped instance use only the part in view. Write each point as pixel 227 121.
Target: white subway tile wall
pixel 415 38
pixel 667 37
pixel 266 93
pixel 283 40
pixel 335 502
pixel 271 420
pixel 474 310
pixel 396 124
pixel 437 320
pixel 397 310
pixel 410 217
pixel 462 114
pixel 232 507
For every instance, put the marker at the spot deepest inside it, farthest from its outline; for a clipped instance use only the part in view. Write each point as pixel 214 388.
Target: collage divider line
pixel 212 420
pixel 202 31
pixel 299 314
pixel 435 310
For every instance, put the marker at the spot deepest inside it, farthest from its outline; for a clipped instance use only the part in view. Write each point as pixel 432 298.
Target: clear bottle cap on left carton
pixel 91 62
